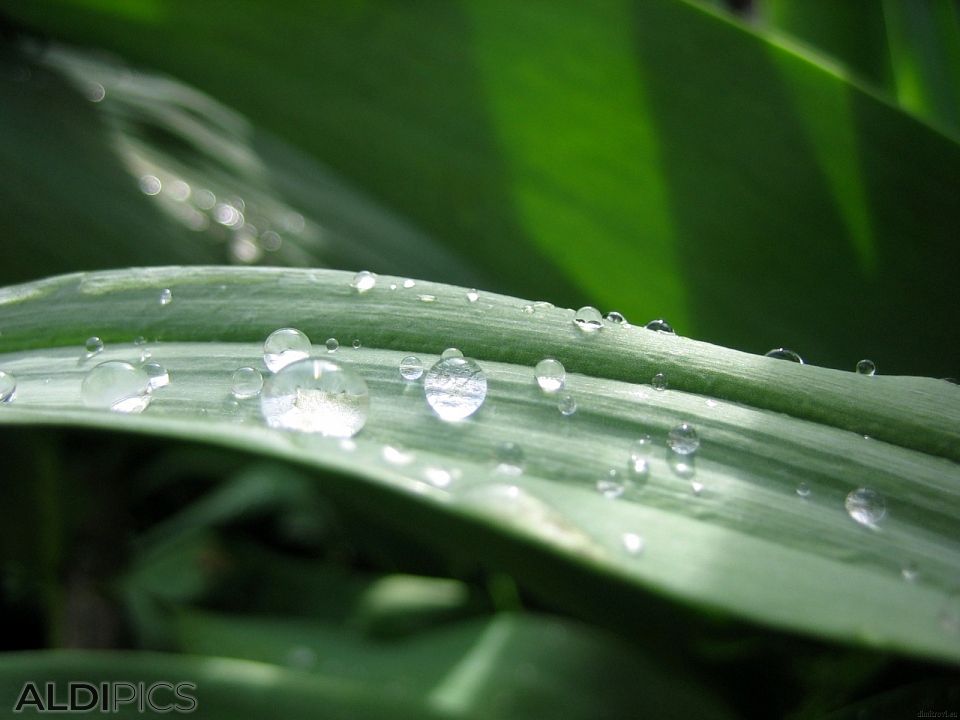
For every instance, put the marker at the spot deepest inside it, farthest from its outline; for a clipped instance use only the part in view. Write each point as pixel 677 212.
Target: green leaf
pixel 747 546
pixel 667 161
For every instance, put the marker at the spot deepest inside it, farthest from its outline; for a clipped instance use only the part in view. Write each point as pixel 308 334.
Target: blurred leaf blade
pixel 718 548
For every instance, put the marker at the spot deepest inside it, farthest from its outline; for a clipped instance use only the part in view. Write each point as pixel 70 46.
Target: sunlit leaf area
pixel 480 359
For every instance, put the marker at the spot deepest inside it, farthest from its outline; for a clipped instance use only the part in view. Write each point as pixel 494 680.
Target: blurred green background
pixel 762 174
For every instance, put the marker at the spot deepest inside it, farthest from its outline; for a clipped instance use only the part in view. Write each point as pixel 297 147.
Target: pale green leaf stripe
pixel 748 545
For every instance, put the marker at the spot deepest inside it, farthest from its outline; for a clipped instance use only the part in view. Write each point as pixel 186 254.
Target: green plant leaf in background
pixel 636 148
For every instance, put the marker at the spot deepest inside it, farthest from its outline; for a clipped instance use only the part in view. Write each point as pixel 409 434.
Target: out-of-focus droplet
pixel 910 572
pixel 550 375
pixel 427 298
pixel 396 455
pixel 510 458
pixel 632 543
pixel 612 485
pixel 785 354
pixel 357 344
pixel 803 490
pixel 117 386
pixel 411 368
pixel 588 319
pixel 455 388
pixel 247 383
pixel 150 185
pixel 285 346
pixel 567 405
pixel 316 396
pixel 408 283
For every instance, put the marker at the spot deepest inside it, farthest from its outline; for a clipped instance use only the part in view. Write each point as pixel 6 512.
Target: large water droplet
pixel 411 368
pixel 866 506
pixel 866 367
pixel 451 353
pixel 363 281
pixel 285 346
pixel 683 439
pixel 93 345
pixel 157 375
pixel 332 344
pixel 455 388
pixel 660 325
pixel 785 354
pixel 247 383
pixel 316 396
pixel 550 375
pixel 118 386
pixel 659 381
pixel 632 543
pixel 8 387
pixel 510 458
pixel 567 405
pixel 166 296
pixel 588 319
pixel 612 486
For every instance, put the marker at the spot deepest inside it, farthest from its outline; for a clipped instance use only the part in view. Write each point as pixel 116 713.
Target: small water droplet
pixel 347 445
pixel 427 298
pixel 455 388
pixel 616 318
pixel 332 345
pixel 683 439
pixel 438 476
pixel 285 346
pixel 567 405
pixel 411 368
pixel 611 486
pixel 660 325
pixel 247 383
pixel 145 355
pixel 316 396
pixel 93 345
pixel 118 386
pixel 157 375
pixel 550 375
pixel 451 353
pixel 396 455
pixel 866 507
pixel 357 344
pixel 696 488
pixel 542 305
pixel 803 490
pixel 785 354
pixel 632 543
pixel 509 458
pixel 910 572
pixel 8 387
pixel 393 286
pixel 166 296
pixel 409 283
pixel 363 281
pixel 866 367
pixel 659 381
pixel 150 185
pixel 527 309
pixel 472 296
pixel 588 319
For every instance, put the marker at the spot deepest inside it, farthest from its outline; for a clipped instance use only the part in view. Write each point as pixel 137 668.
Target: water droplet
pixel 588 319
pixel 866 367
pixel 393 286
pixel 427 298
pixel 285 346
pixel 639 468
pixel 438 476
pixel 357 344
pixel 910 572
pixel 411 368
pixel 166 296
pixel 316 396
pixel 396 455
pixel 150 185
pixel 696 487
pixel 363 281
pixel 157 375
pixel 117 386
pixel 510 458
pixel 660 325
pixel 93 345
pixel 542 305
pixel 451 353
pixel 472 296
pixel 803 490
pixel 455 388
pixel 247 383
pixel 409 283
pixel 683 439
pixel 527 309
pixel 145 355
pixel 332 345
pixel 866 506
pixel 785 354
pixel 567 405
pixel 8 387
pixel 632 543
pixel 639 464
pixel 611 486
pixel 550 375
pixel 659 381
pixel 616 318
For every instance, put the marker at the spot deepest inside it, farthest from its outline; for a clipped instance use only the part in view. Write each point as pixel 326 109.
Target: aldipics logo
pixel 106 697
